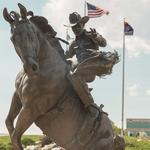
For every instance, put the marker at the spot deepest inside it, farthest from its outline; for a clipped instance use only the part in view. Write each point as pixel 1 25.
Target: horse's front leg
pixel 13 112
pixel 26 117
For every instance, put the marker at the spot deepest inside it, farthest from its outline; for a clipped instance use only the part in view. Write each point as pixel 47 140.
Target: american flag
pixel 94 11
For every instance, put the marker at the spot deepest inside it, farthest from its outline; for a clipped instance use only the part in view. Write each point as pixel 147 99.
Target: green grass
pixel 33 137
pixel 5 143
pixel 131 142
pixel 6 139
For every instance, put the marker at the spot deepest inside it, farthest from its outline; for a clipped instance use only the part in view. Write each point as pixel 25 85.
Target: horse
pixel 44 95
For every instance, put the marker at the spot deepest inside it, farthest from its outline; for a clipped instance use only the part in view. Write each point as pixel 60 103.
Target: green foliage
pixel 5 143
pixel 9 146
pixel 133 144
pixel 27 141
pixel 2 146
pixel 116 129
pixel 4 139
pixel 33 137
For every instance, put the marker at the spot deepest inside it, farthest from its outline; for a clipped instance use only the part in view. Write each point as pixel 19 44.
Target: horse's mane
pixel 42 23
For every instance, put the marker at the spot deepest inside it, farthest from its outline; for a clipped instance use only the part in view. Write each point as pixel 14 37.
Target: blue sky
pixel 107 90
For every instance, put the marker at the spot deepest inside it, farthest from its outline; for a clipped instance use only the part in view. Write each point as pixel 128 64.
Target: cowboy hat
pixel 75 18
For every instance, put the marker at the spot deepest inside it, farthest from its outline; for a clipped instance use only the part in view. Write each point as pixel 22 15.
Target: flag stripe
pixel 97 10
pixel 92 15
pixel 94 11
pixel 95 14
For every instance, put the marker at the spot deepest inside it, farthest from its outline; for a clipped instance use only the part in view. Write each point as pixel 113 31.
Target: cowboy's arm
pixel 98 39
pixel 101 41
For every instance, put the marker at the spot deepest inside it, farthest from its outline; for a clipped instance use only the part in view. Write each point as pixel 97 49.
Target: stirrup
pixel 99 109
pixel 95 106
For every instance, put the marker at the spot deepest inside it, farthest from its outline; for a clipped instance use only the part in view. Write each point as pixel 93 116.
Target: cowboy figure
pixel 86 42
pixel 85 45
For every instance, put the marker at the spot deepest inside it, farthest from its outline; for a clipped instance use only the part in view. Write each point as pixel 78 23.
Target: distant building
pixel 138 127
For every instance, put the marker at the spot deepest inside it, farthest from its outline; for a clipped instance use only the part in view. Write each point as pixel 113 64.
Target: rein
pixel 62 40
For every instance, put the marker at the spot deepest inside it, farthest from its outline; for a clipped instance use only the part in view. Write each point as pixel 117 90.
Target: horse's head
pixel 24 38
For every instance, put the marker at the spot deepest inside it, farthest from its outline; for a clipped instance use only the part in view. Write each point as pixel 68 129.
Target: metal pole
pixel 85 8
pixel 123 79
pixel 66 26
pixel 66 38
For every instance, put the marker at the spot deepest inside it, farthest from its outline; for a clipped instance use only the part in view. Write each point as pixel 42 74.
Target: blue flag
pixel 128 30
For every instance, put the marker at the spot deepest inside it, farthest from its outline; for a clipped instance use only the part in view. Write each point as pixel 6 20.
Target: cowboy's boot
pixel 93 109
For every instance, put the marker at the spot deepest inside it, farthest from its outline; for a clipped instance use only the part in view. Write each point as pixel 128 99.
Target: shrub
pixel 116 129
pixel 9 146
pixel 2 146
pixel 27 141
pixel 133 144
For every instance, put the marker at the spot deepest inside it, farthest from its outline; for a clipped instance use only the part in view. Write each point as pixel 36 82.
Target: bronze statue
pixel 44 95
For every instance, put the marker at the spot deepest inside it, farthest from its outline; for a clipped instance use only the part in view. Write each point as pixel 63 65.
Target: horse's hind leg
pixel 13 112
pixel 26 117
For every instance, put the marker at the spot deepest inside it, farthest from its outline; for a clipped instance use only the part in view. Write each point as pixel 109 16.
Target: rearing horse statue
pixel 44 95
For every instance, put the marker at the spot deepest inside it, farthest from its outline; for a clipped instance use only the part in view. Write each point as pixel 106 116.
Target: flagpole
pixel 123 81
pixel 66 26
pixel 85 8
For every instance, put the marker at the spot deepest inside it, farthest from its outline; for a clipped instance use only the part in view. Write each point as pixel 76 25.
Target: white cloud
pixel 148 92
pixel 137 46
pixel 111 26
pixel 57 12
pixel 145 1
pixel 133 90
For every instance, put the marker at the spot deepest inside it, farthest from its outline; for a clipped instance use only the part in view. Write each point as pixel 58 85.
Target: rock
pixel 49 147
pixel 33 147
pixel 45 141
pixel 58 148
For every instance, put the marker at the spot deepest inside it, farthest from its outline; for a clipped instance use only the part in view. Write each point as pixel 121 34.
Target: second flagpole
pixel 84 8
pixel 123 80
